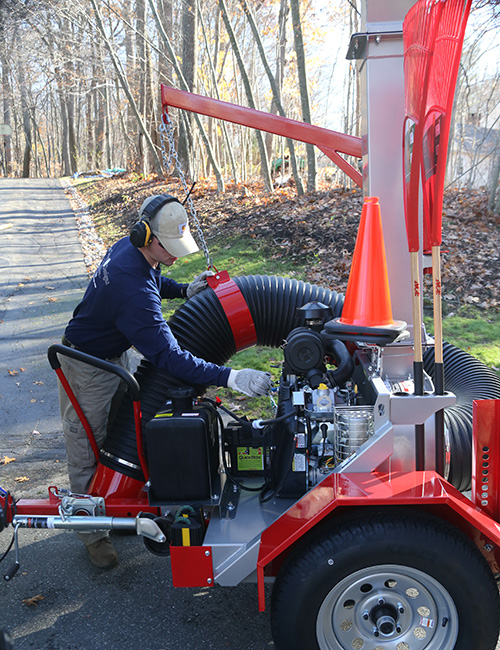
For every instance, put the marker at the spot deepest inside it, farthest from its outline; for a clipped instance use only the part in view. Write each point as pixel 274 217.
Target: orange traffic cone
pixel 367 300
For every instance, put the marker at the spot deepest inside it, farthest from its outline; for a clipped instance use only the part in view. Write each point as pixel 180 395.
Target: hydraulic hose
pixel 469 379
pixel 202 327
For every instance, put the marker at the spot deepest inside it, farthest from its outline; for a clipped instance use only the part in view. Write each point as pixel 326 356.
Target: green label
pixel 250 458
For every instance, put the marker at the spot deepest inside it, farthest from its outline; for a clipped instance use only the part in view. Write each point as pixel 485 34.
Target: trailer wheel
pixel 386 582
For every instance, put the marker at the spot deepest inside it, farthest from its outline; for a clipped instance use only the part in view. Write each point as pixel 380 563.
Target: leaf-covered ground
pixel 318 228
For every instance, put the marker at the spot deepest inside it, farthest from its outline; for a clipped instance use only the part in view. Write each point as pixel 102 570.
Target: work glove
pixel 198 284
pixel 253 383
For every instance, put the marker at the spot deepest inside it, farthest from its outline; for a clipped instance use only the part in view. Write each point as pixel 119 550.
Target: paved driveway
pixel 133 607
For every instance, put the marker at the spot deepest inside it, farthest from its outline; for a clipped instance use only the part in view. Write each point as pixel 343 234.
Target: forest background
pixel 80 91
pixel 80 87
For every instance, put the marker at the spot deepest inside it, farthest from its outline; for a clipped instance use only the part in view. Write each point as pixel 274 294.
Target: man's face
pixel 160 253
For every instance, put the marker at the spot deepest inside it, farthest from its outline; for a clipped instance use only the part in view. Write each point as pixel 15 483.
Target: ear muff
pixel 141 233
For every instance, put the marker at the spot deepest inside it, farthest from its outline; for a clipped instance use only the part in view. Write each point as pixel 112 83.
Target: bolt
pixel 207 553
pixel 366 615
pixel 381 601
pixel 331 562
pixel 398 629
pixel 401 609
pixel 209 581
pixel 376 632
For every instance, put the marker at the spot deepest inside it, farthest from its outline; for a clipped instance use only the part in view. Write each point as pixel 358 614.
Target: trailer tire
pixel 386 581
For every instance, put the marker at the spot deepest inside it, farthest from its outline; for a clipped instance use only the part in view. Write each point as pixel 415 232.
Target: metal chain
pixel 167 133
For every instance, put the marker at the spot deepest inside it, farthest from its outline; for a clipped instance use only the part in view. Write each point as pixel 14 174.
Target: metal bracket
pixel 82 505
pixel 359 42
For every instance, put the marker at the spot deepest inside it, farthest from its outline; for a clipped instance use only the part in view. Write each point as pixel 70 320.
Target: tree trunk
pixel 123 80
pixel 26 121
pixel 216 88
pixel 494 194
pixel 304 91
pixel 7 139
pixel 249 93
pixel 276 83
pixel 182 83
pixel 140 69
pixel 165 65
pixel 189 60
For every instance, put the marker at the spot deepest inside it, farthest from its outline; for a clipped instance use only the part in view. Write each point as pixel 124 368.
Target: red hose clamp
pixel 236 309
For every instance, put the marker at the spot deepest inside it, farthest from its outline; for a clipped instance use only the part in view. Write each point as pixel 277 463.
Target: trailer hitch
pixel 140 525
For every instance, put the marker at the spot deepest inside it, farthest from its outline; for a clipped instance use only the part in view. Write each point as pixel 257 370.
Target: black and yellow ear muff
pixel 141 234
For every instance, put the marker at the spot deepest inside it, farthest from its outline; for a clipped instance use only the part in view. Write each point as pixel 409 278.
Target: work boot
pixel 102 554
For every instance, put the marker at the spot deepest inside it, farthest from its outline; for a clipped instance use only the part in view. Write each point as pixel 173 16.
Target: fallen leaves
pixel 6 460
pixel 51 299
pixel 33 601
pixel 21 479
pixel 16 372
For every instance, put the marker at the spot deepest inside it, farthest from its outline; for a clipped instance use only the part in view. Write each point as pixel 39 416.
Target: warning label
pixel 299 463
pixel 426 622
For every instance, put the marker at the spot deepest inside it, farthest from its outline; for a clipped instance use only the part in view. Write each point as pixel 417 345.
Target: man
pixel 121 308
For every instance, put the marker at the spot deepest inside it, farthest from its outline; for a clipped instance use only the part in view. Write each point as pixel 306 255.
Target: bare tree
pixel 266 175
pixel 276 82
pixel 304 90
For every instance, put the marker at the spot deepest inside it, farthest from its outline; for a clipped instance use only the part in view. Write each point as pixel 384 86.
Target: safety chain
pixel 167 133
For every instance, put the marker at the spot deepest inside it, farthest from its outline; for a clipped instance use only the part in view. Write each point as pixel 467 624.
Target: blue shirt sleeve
pixel 171 289
pixel 142 322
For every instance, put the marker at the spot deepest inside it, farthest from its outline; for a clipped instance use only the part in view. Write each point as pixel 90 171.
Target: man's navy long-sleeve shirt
pixel 122 308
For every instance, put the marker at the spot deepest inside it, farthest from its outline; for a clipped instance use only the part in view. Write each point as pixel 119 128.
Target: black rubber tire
pixel 416 547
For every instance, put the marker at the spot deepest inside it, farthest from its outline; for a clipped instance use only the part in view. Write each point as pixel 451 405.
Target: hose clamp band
pixel 236 309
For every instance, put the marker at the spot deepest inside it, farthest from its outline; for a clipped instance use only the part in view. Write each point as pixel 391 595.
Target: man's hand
pixel 198 284
pixel 253 383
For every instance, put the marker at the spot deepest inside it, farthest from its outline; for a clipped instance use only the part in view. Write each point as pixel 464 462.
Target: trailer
pixel 350 500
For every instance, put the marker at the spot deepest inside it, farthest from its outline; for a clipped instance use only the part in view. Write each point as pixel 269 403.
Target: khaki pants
pixel 95 391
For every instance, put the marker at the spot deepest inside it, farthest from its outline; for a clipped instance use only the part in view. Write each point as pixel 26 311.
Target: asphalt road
pixel 134 606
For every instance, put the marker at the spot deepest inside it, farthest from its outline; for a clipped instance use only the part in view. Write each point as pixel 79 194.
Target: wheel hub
pixel 385 618
pixel 387 607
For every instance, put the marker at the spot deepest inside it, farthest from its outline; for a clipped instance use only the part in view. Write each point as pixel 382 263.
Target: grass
pixel 470 328
pixel 475 332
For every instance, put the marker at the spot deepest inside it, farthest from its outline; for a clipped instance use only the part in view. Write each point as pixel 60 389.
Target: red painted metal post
pixel 79 412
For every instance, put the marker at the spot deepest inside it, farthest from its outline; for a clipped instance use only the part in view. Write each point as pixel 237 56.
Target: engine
pixel 320 421
pixel 320 417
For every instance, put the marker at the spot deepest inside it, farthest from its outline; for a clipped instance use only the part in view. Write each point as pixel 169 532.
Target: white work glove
pixel 253 383
pixel 198 284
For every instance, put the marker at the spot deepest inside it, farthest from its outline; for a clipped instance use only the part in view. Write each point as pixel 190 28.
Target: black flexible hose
pixel 201 327
pixel 469 379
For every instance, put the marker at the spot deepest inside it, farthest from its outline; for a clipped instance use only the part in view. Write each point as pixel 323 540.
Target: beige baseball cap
pixel 170 225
